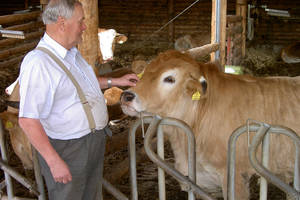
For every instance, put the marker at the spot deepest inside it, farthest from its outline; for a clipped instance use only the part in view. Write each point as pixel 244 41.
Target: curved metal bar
pixel 231 155
pixel 132 151
pixel 161 172
pixel 21 179
pixel 38 175
pixel 169 169
pixel 8 181
pixel 264 171
pixel 114 191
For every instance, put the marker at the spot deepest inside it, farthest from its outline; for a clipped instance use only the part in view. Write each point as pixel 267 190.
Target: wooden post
pixel 222 31
pixel 90 46
pixel 241 10
pixel 213 28
pixel 44 3
pixel 171 26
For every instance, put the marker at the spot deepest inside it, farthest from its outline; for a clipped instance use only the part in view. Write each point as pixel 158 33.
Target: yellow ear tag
pixel 9 125
pixel 140 75
pixel 196 96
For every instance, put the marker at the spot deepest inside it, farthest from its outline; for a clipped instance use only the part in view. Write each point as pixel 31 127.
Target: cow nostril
pixel 127 96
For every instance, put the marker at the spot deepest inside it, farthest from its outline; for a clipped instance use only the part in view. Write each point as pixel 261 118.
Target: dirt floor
pixel 260 61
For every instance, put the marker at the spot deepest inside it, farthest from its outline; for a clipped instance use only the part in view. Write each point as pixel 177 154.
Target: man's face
pixel 75 26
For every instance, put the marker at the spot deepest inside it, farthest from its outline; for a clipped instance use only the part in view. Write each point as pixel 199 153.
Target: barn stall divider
pixel 262 136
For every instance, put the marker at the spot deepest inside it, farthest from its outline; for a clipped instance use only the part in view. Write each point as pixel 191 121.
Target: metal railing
pixel 9 172
pixel 156 123
pixel 262 137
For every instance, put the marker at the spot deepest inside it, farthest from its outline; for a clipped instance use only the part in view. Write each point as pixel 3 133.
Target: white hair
pixel 56 8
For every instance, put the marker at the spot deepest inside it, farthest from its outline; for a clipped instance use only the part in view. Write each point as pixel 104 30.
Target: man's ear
pixel 61 23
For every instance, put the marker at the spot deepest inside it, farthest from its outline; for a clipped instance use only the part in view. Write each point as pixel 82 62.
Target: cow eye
pixel 169 79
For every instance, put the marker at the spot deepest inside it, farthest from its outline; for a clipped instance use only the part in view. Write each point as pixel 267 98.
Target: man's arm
pixel 38 138
pixel 126 80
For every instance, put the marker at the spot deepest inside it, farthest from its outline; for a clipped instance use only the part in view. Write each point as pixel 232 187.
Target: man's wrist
pixel 109 82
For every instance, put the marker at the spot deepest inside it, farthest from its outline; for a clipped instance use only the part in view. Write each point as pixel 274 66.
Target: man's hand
pixel 60 171
pixel 38 138
pixel 126 80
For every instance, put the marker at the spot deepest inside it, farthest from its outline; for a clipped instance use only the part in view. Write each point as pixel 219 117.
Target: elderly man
pixel 70 145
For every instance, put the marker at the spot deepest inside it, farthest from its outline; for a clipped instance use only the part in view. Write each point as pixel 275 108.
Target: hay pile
pixel 266 61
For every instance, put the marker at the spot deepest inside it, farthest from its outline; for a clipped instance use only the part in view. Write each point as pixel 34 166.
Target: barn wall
pixel 277 30
pixel 140 19
pixel 8 7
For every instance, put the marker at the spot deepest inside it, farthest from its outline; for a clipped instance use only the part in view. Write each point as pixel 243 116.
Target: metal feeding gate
pixel 9 172
pixel 261 137
pixel 156 123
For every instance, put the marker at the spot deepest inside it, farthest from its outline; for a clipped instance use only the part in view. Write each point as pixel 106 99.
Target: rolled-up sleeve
pixel 36 87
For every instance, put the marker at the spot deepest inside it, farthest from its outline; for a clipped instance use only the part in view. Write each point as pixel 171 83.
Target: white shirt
pixel 48 94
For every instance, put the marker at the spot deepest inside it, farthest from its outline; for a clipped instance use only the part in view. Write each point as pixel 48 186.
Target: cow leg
pixel 242 186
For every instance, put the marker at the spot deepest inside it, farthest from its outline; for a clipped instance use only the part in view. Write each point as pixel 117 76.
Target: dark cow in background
pixel 226 102
pixel 291 53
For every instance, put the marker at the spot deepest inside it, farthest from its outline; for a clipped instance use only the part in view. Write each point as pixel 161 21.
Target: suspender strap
pixel 84 102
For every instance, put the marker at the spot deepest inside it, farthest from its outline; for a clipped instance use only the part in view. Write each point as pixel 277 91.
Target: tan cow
pixel 18 139
pixel 226 102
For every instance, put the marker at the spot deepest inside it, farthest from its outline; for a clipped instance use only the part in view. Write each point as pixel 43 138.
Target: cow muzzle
pixel 130 103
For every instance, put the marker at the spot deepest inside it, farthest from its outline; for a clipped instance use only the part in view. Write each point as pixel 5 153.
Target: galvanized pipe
pixel 8 181
pixel 169 169
pixel 265 172
pixel 231 156
pixel 132 151
pixel 191 149
pixel 265 162
pixel 38 176
pixel 161 172
pixel 21 179
pixel 114 191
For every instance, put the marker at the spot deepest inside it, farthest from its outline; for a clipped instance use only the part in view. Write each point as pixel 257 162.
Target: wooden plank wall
pixel 277 30
pixel 139 19
pixel 9 6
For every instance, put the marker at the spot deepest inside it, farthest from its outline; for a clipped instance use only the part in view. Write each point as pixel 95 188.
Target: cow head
pixel 107 39
pixel 168 83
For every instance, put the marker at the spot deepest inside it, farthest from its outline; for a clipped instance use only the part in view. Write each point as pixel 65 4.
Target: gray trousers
pixel 84 157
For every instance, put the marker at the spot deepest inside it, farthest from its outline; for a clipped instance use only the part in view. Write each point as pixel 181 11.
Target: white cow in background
pixel 107 40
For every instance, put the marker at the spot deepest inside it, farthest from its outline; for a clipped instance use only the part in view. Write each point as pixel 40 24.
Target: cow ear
pixel 138 67
pixel 121 38
pixel 196 89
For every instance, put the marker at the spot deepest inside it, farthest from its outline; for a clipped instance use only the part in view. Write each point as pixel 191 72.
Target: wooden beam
pixel 90 46
pixel 171 26
pixel 19 49
pixel 28 36
pixel 12 62
pixel 213 28
pixel 27 26
pixel 241 10
pixel 234 18
pixel 223 32
pixel 5 19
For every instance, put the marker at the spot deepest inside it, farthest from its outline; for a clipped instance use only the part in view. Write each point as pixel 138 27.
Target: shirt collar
pixel 59 49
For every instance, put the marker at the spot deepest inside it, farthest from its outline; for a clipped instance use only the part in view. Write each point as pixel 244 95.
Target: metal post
pixel 8 181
